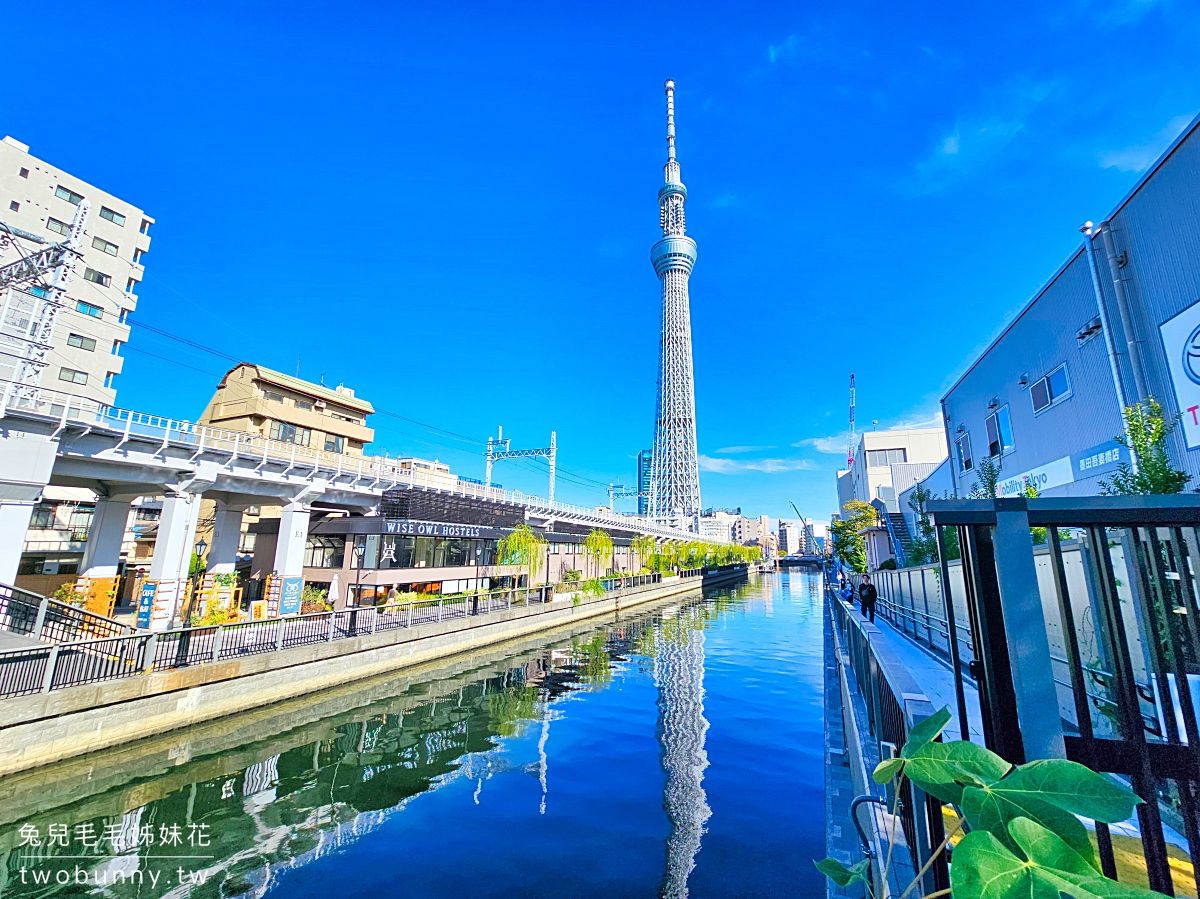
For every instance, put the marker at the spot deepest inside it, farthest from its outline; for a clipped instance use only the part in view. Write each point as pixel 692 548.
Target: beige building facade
pixel 38 202
pixel 256 400
pixel 889 462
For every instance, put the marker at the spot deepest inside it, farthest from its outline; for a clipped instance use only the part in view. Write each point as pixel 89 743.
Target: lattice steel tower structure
pixel 674 468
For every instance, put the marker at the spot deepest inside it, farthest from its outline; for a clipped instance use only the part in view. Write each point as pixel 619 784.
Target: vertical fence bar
pixel 960 694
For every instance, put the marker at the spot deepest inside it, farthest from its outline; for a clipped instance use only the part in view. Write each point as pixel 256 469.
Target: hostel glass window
pixel 423 553
pixel 883 457
pixel 325 551
pixel 1049 390
pixel 963 444
pixel 999 432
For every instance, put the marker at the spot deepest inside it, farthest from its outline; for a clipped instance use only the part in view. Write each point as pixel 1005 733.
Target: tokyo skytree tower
pixel 674 469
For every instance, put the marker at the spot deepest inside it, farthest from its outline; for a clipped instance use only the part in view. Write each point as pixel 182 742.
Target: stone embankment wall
pixel 44 728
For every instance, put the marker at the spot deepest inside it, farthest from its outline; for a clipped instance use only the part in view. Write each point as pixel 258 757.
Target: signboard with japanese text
pixel 1098 460
pixel 1181 341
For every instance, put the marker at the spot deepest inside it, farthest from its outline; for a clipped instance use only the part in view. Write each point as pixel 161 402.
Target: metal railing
pixel 51 621
pixel 367 473
pixel 84 661
pixel 894 704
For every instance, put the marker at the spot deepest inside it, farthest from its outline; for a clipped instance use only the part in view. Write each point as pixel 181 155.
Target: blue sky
pixel 450 208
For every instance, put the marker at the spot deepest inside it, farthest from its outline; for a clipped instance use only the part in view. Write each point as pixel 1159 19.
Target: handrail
pixel 91 660
pixel 48 620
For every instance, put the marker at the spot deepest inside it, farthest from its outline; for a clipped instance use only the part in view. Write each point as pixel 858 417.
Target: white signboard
pixel 1052 474
pixel 1181 340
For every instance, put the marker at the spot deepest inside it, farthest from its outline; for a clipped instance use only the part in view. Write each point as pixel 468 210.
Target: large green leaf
pixel 840 874
pixel 985 868
pixel 886 770
pixel 1051 792
pixel 943 769
pixel 924 732
pixel 1074 788
pixel 990 808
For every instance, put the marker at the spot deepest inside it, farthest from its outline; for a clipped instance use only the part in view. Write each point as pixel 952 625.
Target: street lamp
pixel 360 550
pixel 201 548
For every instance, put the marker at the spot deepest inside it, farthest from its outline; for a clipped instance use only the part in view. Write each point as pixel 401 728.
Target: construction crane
pixel 850 448
pixel 498 448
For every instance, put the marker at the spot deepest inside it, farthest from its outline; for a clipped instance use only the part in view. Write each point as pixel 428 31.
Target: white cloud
pixel 1140 157
pixel 742 466
pixel 834 445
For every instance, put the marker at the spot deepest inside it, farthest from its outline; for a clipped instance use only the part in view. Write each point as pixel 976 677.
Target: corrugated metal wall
pixel 1158 226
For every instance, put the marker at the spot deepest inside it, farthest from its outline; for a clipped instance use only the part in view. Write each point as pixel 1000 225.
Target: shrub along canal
pixel 676 751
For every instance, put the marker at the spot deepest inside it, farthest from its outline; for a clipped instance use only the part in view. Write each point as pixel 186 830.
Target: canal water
pixel 676 751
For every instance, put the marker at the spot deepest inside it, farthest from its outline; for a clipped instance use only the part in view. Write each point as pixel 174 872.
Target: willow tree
pixel 523 546
pixel 599 546
pixel 644 545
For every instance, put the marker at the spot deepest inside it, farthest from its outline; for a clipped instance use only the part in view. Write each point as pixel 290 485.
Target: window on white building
pixel 96 277
pixel 1049 390
pixel 72 375
pixel 113 216
pixel 101 244
pixel 70 196
pixel 965 461
pixel 58 227
pixel 878 458
pixel 999 432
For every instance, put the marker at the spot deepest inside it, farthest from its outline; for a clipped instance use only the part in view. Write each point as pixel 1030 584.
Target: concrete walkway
pixel 933 675
pixel 9 642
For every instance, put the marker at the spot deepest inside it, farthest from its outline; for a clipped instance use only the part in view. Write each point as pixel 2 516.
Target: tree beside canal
pixel 522 547
pixel 599 546
pixel 848 544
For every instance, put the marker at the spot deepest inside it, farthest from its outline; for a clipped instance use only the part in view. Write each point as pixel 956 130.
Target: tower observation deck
pixel 674 468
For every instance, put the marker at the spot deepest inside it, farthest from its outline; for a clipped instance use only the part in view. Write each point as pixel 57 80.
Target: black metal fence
pixel 92 658
pixel 1104 627
pixel 51 621
pixel 893 705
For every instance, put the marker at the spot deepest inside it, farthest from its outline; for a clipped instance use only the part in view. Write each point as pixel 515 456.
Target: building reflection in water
pixel 299 794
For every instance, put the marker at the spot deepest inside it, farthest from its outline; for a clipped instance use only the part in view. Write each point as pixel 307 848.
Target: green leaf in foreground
pixel 887 770
pixel 943 769
pixel 840 874
pixel 984 868
pixel 925 732
pixel 1051 792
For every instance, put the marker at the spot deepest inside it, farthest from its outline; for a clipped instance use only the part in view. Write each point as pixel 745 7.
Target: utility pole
pixel 850 448
pixel 27 316
pixel 498 448
pixel 615 490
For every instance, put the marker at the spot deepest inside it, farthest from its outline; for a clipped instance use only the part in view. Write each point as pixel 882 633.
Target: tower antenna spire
pixel 670 86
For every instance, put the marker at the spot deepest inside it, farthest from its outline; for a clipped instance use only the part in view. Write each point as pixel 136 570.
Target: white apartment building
pixel 889 462
pixel 791 538
pixel 38 202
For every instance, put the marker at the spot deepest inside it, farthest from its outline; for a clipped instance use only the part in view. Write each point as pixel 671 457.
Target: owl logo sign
pixel 1181 341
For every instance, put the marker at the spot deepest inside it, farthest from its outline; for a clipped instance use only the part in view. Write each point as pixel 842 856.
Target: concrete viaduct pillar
pixel 28 456
pixel 107 533
pixel 227 535
pixel 173 556
pixel 293 539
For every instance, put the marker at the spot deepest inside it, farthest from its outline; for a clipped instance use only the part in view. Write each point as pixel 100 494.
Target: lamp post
pixel 360 550
pixel 201 548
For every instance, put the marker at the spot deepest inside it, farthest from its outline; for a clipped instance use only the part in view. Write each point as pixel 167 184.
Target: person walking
pixel 867 596
pixel 847 593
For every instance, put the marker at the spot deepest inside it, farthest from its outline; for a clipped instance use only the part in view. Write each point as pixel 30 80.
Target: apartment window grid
pixel 1047 391
pixel 963 445
pixel 24 173
pixel 14 206
pixel 334 444
pixel 882 457
pixel 64 193
pixel 73 376
pixel 58 227
pixel 108 247
pixel 90 274
pixel 112 215
pixel 302 404
pixel 999 432
pixel 272 396
pixel 286 433
pixel 43 517
pixel 89 309
pixel 80 342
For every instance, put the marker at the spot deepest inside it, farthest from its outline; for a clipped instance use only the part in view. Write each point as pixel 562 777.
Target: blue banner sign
pixel 289 595
pixel 146 604
pixel 1099 459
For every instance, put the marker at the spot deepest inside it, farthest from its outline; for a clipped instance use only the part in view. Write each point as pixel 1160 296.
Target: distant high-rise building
pixel 643 481
pixel 675 470
pixel 39 203
pixel 791 537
